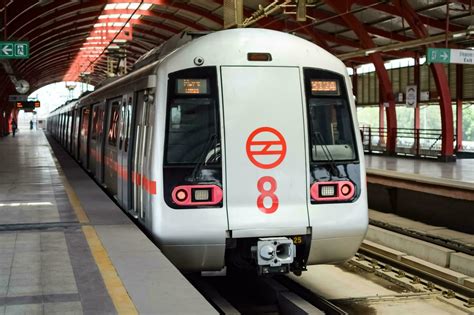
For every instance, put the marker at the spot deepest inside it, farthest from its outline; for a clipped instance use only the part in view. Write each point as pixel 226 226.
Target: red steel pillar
pixel 382 134
pixel 459 98
pixel 418 85
pixel 407 12
pixel 416 131
pixel 343 8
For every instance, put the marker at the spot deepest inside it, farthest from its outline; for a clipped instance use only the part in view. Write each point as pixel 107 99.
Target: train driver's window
pixel 331 130
pixel 331 127
pixel 192 130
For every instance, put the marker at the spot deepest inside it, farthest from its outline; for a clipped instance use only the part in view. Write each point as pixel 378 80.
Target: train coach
pixel 235 149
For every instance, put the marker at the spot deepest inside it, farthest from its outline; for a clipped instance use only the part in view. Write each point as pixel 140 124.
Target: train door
pixel 75 134
pixel 83 140
pixel 110 147
pixel 140 155
pixel 123 152
pixel 71 131
pixel 93 141
pixel 63 136
pixel 265 149
pixel 99 148
pixel 68 132
pixel 61 128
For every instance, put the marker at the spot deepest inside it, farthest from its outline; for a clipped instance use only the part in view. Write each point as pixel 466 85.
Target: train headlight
pixel 332 191
pixel 197 195
pixel 201 194
pixel 327 190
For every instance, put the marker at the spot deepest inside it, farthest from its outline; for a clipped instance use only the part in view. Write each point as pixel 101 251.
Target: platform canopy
pixel 88 40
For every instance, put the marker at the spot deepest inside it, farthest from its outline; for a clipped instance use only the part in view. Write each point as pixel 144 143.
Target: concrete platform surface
pixel 66 248
pixel 456 173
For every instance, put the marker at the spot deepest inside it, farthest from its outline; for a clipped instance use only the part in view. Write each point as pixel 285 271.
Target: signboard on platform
pixel 28 105
pixel 17 98
pixel 411 95
pixel 424 95
pixel 444 55
pixel 14 50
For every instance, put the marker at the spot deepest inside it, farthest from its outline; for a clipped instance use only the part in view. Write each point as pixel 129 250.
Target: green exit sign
pixel 438 55
pixel 444 55
pixel 14 50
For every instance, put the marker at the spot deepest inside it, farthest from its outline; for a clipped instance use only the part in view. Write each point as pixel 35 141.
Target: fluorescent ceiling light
pixel 121 6
pixel 145 6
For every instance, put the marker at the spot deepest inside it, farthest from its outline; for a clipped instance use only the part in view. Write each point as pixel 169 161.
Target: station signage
pixel 411 95
pixel 28 105
pixel 445 55
pixel 14 50
pixel 17 98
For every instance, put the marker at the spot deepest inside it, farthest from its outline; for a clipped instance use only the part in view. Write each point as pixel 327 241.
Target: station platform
pixel 66 248
pixel 459 173
pixel 434 193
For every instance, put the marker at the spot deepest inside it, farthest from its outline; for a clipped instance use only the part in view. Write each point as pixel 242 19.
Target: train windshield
pixel 330 122
pixel 192 136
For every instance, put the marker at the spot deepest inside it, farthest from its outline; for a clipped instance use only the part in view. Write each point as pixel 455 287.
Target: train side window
pixel 122 126
pixel 113 128
pixel 95 118
pixel 129 118
pixel 101 122
pixel 85 122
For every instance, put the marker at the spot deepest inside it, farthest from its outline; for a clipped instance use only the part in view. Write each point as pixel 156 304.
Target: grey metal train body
pixel 231 151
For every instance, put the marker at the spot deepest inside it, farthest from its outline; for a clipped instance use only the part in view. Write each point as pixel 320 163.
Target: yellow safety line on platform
pixel 122 302
pixel 71 194
pixel 75 203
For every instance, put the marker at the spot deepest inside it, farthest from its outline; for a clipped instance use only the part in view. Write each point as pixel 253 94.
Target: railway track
pixel 283 295
pixel 261 295
pixel 447 243
pixel 423 277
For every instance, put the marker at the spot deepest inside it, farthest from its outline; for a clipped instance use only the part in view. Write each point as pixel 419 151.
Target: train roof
pixel 222 47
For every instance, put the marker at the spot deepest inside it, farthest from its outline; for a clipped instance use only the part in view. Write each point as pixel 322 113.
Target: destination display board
pixel 192 86
pixel 27 105
pixel 324 87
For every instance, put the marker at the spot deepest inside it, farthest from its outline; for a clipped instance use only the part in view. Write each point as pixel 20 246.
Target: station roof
pixel 70 38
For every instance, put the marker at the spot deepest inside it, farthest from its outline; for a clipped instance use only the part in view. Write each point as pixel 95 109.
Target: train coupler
pixel 274 255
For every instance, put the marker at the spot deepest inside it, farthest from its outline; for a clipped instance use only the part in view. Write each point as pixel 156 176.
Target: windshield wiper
pixel 211 142
pixel 332 164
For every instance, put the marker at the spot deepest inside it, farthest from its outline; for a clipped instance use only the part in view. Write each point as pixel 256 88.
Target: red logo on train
pixel 266 147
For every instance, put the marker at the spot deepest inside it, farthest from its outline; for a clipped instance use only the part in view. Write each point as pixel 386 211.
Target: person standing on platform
pixel 14 126
pixel 31 124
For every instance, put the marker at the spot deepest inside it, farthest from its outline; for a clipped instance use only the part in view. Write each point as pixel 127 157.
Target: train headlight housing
pixel 197 195
pixel 332 191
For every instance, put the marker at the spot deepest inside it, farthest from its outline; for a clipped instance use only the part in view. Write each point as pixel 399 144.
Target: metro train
pixel 233 149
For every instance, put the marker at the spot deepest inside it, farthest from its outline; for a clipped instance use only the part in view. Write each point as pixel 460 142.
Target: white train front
pixel 237 149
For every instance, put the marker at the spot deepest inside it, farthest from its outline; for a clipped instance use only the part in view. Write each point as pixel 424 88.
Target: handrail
pixel 415 142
